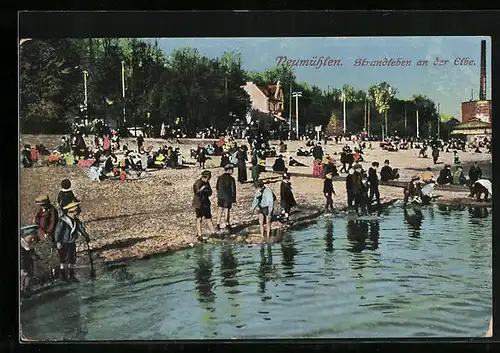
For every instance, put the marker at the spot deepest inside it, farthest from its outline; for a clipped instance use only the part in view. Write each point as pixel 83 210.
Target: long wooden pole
pixel 439 122
pixel 297 114
pixel 369 117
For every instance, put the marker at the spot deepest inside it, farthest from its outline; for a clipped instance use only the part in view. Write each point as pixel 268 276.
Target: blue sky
pixel 448 85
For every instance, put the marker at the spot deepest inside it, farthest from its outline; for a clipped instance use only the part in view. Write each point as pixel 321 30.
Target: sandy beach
pixel 138 218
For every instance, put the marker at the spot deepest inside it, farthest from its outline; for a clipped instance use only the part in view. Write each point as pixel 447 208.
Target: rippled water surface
pixel 398 274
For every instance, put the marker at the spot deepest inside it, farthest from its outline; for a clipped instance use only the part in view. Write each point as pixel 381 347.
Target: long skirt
pixel 242 172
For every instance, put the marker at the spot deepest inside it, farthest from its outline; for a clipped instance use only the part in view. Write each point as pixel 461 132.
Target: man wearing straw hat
pixel 67 231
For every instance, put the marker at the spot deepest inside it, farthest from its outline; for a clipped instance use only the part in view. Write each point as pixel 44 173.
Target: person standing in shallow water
pixel 201 202
pixel 475 173
pixel 373 182
pixel 349 185
pixel 69 227
pixel 287 199
pixel 226 194
pixel 328 191
pixel 263 205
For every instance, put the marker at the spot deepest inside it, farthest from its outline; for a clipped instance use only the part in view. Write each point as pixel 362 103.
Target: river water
pixel 396 274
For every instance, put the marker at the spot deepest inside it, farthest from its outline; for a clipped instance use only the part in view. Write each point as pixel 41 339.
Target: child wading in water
pixel 328 191
pixel 226 194
pixel 67 231
pixel 263 205
pixel 286 197
pixel 201 202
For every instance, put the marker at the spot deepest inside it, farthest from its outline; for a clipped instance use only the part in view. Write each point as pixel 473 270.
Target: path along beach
pixel 135 219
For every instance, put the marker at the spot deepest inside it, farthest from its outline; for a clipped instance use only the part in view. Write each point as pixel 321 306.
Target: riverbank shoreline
pixel 137 219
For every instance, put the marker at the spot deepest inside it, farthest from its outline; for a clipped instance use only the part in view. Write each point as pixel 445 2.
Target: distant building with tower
pixel 476 114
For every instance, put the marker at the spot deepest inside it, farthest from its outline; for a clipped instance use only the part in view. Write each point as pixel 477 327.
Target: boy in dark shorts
pixel 201 202
pixel 226 194
pixel 67 231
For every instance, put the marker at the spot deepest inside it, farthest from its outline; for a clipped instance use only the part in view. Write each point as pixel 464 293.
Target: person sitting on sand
pixel 456 158
pixel 287 200
pixel 445 176
pixel 317 152
pixel 423 152
pixel 95 172
pixel 282 147
pixel 226 194
pixel 201 202
pixel 427 176
pixel 328 191
pixel 263 205
pixel 295 163
pixel 224 160
pixel 45 218
pixel 26 157
pixel 279 164
pixel 301 152
pixel 386 172
pixel 28 255
pixel 67 230
pixel 459 177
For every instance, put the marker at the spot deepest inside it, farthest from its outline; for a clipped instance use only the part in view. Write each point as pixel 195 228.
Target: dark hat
pixel 66 184
pixel 228 166
pixel 29 230
pixel 447 166
pixel 375 164
pixel 357 166
pixel 280 156
pixel 206 173
pixel 386 161
pixel 259 184
pixel 415 177
pixel 286 176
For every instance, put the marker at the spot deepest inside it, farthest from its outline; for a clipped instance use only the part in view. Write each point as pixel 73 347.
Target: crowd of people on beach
pixel 61 226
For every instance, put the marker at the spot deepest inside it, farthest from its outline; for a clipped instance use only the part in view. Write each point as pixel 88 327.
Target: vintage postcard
pixel 243 188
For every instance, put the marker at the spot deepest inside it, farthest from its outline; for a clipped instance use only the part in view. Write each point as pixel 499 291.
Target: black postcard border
pixel 230 24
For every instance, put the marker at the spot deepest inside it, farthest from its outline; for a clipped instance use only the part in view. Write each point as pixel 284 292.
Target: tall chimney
pixel 482 83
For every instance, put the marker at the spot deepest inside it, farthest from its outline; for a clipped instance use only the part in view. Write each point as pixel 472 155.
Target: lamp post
pixel 123 89
pixel 296 95
pixel 344 110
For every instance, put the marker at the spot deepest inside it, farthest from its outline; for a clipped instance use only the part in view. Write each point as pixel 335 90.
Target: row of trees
pixel 65 78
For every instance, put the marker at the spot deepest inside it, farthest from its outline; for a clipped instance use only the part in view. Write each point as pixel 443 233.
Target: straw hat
pixel 71 206
pixel 41 199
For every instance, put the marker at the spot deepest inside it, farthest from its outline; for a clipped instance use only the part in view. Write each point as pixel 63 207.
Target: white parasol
pixel 428 189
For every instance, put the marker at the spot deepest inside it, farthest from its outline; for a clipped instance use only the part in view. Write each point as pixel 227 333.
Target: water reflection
pixel 414 217
pixel 329 236
pixel 477 213
pixel 288 251
pixel 203 274
pixel 75 328
pixel 266 266
pixel 374 234
pixel 357 231
pixel 228 266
